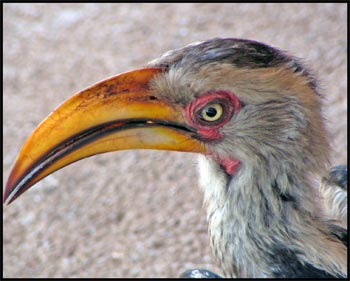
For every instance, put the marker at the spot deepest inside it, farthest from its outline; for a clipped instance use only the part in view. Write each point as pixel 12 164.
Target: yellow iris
pixel 212 112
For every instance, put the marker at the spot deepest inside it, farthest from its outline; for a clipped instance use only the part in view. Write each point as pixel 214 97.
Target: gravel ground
pixel 133 213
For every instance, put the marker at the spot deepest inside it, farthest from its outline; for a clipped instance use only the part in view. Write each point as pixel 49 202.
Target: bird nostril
pixel 152 98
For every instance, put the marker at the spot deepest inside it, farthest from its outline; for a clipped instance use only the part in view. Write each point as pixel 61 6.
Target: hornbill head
pixel 229 99
pixel 252 111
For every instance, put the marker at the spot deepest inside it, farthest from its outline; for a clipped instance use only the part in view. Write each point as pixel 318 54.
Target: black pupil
pixel 211 111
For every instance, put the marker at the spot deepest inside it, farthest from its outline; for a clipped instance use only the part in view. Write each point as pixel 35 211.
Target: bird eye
pixel 212 112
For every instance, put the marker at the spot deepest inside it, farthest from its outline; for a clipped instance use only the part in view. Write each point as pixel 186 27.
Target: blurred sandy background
pixel 133 213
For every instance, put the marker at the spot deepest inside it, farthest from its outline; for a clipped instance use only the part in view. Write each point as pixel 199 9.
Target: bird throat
pixel 230 165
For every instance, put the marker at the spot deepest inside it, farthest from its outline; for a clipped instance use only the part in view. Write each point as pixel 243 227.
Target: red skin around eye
pixel 211 132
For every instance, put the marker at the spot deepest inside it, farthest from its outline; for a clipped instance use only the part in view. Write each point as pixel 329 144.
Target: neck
pixel 264 225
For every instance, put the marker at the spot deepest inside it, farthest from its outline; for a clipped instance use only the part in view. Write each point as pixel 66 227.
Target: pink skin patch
pixel 231 165
pixel 210 130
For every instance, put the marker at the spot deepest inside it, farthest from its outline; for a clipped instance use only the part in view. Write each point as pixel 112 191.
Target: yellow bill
pixel 116 114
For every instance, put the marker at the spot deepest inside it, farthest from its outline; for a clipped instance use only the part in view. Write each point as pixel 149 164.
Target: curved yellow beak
pixel 116 114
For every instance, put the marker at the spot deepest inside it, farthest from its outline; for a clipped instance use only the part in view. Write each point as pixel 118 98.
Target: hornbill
pixel 253 113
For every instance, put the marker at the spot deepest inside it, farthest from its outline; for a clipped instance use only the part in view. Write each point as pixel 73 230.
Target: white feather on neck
pixel 232 206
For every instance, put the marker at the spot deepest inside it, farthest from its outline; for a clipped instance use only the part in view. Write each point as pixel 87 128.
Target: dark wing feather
pixel 199 273
pixel 334 188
